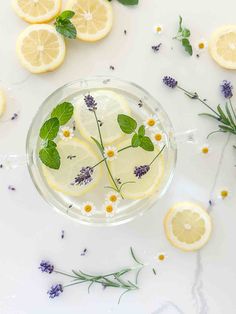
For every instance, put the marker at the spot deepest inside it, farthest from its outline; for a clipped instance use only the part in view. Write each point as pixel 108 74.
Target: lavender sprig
pixel 90 102
pixel 84 177
pixel 55 291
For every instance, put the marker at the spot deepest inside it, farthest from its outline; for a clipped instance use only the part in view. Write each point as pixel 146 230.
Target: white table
pixel 30 230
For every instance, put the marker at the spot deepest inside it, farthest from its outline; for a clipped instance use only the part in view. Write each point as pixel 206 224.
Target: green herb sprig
pixel 127 2
pixel 64 26
pixel 60 115
pixel 129 126
pixel 183 36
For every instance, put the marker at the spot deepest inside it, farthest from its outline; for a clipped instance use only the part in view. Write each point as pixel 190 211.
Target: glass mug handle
pixel 188 136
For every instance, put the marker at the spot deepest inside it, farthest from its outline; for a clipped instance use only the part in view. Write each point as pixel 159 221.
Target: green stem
pixel 64 274
pixel 231 106
pixel 121 150
pixel 99 130
pixel 157 155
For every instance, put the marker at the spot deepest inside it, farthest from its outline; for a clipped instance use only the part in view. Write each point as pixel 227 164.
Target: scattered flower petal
pixel 85 251
pixel 151 122
pixel 224 194
pixel 170 81
pixel 110 152
pixel 113 197
pixel 201 45
pixel 205 149
pixel 141 171
pixel 88 209
pixel 161 257
pixel 55 291
pixel 156 48
pixel 11 188
pixel 226 89
pixel 158 29
pixel 46 267
pixel 66 133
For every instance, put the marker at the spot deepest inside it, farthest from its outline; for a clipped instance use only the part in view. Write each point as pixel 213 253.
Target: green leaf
pixel 147 144
pixel 141 130
pixel 63 112
pixel 50 157
pixel 230 116
pixel 135 141
pixel 180 24
pixel 187 46
pixel 226 128
pixel 51 144
pixel 127 124
pixel 186 32
pixel 49 129
pixel 223 116
pixel 129 2
pixel 98 144
pixel 66 28
pixel 209 115
pixel 66 15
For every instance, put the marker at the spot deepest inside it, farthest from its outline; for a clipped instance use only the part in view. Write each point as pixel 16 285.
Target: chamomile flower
pixel 158 29
pixel 161 257
pixel 151 122
pixel 158 137
pixel 201 45
pixel 205 149
pixel 224 193
pixel 113 197
pixel 66 133
pixel 110 209
pixel 110 152
pixel 88 209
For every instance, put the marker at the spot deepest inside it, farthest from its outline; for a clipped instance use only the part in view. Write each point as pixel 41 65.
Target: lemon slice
pixel 109 105
pixel 2 102
pixel 123 168
pixel 222 46
pixel 93 18
pixel 37 11
pixel 40 48
pixel 74 154
pixel 188 226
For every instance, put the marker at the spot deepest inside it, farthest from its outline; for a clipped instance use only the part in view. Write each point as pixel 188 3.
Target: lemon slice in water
pixel 74 154
pixel 123 168
pixel 188 226
pixel 109 105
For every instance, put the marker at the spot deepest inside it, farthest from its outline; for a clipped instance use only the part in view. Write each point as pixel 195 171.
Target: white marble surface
pixel 189 283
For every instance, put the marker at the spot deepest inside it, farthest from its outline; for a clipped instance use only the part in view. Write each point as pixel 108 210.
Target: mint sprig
pixel 49 156
pixel 127 2
pixel 64 26
pixel 128 125
pixel 63 112
pixel 49 129
pixel 183 36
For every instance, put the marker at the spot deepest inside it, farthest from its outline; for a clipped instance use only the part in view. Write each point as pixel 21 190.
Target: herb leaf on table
pixel 183 36
pixel 64 26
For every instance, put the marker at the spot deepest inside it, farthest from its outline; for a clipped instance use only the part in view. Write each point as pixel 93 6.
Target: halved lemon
pixel 123 168
pixel 2 102
pixel 222 46
pixel 75 155
pixel 93 18
pixel 37 11
pixel 187 226
pixel 41 48
pixel 109 105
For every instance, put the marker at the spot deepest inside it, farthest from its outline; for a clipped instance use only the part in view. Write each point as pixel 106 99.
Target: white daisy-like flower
pixel 158 29
pixel 205 149
pixel 223 193
pixel 88 209
pixel 201 45
pixel 113 197
pixel 161 257
pixel 110 209
pixel 66 133
pixel 158 137
pixel 151 122
pixel 110 152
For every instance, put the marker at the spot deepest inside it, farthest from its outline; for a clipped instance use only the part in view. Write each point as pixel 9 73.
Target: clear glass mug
pixel 144 99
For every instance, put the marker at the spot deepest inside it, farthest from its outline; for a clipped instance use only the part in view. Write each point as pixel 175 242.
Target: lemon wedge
pixel 109 105
pixel 187 226
pixel 123 168
pixel 37 11
pixel 2 102
pixel 222 46
pixel 40 48
pixel 93 19
pixel 74 154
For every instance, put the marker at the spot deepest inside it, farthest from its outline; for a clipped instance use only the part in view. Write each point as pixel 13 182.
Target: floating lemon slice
pixel 74 154
pixel 93 19
pixel 37 11
pixel 40 48
pixel 123 168
pixel 222 46
pixel 188 226
pixel 109 105
pixel 2 102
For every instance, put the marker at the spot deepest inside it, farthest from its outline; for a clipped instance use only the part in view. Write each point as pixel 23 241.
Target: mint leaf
pixel 141 130
pixel 64 26
pixel 129 2
pixel 50 157
pixel 63 112
pixel 127 124
pixel 66 15
pixel 186 32
pixel 51 144
pixel 135 141
pixel 147 144
pixel 187 46
pixel 49 129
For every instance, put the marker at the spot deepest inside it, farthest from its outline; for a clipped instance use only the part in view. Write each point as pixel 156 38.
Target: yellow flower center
pixel 205 150
pixel 88 208
pixel 110 153
pixel 113 198
pixel 224 193
pixel 109 208
pixel 151 122
pixel 161 257
pixel 201 45
pixel 66 133
pixel 158 29
pixel 158 137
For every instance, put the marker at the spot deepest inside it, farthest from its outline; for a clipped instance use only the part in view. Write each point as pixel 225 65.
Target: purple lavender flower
pixel 46 267
pixel 156 48
pixel 170 81
pixel 226 89
pixel 55 291
pixel 90 102
pixel 84 177
pixel 141 171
